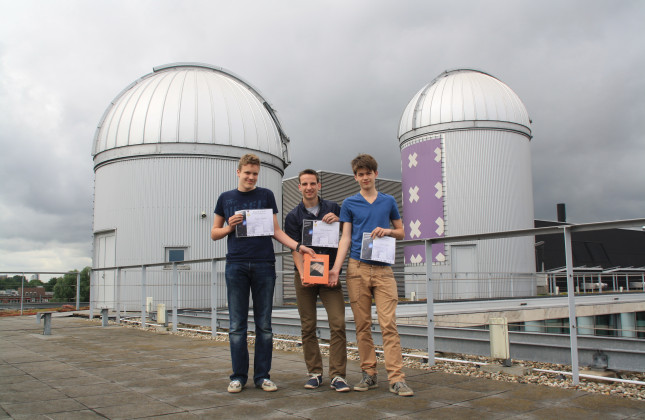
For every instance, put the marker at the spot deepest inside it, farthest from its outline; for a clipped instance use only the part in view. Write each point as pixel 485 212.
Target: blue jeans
pixel 258 278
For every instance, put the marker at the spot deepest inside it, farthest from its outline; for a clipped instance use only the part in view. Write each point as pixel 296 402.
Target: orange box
pixel 316 269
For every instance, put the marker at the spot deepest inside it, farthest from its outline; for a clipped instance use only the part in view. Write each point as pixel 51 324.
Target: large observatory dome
pixel 187 108
pixel 463 99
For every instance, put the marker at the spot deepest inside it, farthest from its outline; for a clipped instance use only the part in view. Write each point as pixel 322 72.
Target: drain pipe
pixel 582 375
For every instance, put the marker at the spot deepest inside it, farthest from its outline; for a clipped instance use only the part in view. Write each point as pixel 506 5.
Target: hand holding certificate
pixel 378 249
pixel 256 222
pixel 319 233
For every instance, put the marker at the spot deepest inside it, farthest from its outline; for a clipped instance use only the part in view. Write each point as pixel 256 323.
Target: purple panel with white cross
pixel 423 209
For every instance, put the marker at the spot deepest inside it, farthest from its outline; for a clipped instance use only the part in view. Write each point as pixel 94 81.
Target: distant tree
pixel 49 286
pixel 85 284
pixel 65 287
pixel 34 283
pixel 14 282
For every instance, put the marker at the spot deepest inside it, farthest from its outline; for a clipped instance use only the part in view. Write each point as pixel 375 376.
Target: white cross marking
pixel 413 160
pixel 414 229
pixel 437 154
pixel 440 257
pixel 439 223
pixel 413 194
pixel 439 187
pixel 416 259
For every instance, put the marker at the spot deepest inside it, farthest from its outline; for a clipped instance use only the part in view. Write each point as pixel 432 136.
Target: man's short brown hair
pixel 309 172
pixel 248 159
pixel 364 161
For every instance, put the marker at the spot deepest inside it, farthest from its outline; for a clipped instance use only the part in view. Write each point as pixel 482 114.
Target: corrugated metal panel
pixel 463 95
pixel 157 203
pixel 488 187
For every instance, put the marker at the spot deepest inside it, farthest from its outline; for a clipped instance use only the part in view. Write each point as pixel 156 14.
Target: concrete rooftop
pixel 85 371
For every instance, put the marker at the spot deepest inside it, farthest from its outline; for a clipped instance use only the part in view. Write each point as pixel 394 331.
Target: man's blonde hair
pixel 248 159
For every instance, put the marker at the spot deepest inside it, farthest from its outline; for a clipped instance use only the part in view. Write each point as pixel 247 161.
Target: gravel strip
pixel 289 343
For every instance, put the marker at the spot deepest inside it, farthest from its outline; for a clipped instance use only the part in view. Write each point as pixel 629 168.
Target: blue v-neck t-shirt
pixel 365 217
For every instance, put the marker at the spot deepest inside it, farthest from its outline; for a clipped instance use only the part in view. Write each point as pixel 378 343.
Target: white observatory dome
pixel 187 108
pixel 462 99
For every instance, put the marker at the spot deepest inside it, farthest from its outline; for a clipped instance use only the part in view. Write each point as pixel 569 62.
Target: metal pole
pixel 175 295
pixel 78 290
pixel 430 300
pixel 118 296
pixel 22 292
pixel 143 296
pixel 214 297
pixel 571 296
pixel 92 286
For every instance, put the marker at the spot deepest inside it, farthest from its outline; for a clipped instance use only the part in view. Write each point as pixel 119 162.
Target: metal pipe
pixel 430 302
pixel 143 297
pixel 22 292
pixel 78 290
pixel 582 375
pixel 573 323
pixel 214 297
pixel 175 295
pixel 118 296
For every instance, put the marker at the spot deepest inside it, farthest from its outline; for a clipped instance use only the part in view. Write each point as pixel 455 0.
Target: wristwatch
pixel 298 247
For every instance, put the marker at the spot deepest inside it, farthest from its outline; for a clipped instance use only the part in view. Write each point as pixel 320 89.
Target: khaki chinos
pixel 332 299
pixel 363 281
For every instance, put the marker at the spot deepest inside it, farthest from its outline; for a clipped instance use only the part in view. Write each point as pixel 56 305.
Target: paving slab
pixel 86 371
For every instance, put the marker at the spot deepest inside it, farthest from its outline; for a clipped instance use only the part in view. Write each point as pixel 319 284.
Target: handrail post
pixel 78 290
pixel 214 297
pixel 175 295
pixel 118 295
pixel 430 302
pixel 92 293
pixel 571 296
pixel 143 297
pixel 22 292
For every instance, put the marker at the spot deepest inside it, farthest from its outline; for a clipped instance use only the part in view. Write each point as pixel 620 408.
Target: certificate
pixel 256 222
pixel 316 269
pixel 378 249
pixel 319 233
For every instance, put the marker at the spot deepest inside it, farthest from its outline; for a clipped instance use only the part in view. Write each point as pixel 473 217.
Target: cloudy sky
pixel 339 73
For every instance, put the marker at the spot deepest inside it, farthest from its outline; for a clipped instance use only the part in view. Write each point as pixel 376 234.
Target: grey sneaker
pixel 368 382
pixel 267 385
pixel 235 386
pixel 402 389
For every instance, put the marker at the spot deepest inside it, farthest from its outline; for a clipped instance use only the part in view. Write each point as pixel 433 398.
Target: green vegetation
pixel 64 288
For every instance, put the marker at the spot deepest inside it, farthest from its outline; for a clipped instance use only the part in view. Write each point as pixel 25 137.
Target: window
pixel 176 254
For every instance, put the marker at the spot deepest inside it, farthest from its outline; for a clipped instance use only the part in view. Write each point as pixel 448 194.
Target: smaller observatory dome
pixel 461 99
pixel 189 108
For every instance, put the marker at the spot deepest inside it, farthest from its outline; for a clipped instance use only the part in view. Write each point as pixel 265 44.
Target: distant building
pixel 31 295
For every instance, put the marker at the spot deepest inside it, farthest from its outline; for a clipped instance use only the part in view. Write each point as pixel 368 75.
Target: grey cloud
pixel 339 73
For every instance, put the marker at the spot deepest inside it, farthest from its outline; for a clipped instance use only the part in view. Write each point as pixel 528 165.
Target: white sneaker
pixel 268 385
pixel 235 386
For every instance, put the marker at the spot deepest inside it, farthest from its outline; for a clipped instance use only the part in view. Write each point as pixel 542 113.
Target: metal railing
pixel 22 287
pixel 203 284
pixel 565 230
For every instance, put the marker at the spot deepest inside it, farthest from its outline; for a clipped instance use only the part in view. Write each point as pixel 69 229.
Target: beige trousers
pixel 364 281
